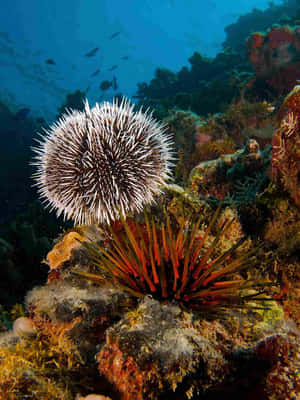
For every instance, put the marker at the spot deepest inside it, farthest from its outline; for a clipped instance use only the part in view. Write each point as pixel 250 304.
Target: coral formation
pixel 286 148
pixel 183 126
pixel 111 160
pixel 258 21
pixel 237 177
pixel 200 139
pixel 204 87
pixel 148 348
pixel 274 56
pixel 62 251
pixel 158 348
pixel 165 348
pixel 172 303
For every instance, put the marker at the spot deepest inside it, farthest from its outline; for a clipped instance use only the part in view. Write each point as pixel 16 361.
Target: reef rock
pixel 274 56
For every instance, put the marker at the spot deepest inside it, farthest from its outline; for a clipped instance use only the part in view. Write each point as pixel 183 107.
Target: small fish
pixel 22 114
pixel 92 52
pixel 50 61
pixel 96 72
pixel 104 85
pixel 114 35
pixel 114 83
pixel 113 67
pixel 124 58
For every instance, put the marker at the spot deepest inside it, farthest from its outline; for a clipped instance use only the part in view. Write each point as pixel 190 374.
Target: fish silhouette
pixel 50 61
pixel 104 85
pixel 96 72
pixel 92 52
pixel 114 35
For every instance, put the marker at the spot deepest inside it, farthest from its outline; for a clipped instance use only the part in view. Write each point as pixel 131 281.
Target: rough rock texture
pixel 158 349
pixel 274 56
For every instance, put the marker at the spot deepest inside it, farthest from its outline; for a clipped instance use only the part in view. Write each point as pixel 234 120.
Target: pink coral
pixel 274 56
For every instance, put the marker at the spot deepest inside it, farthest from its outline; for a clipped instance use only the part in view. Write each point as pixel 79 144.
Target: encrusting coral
pixel 274 56
pixel 286 147
pixel 148 347
pixel 157 348
pixel 154 347
pixel 169 304
pixel 62 251
pixel 237 177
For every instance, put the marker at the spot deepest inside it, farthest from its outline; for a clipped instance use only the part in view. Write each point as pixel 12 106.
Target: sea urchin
pixel 106 160
pixel 174 262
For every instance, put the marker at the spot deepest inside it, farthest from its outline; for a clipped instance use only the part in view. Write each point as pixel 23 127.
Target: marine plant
pixel 46 367
pixel 102 161
pixel 175 261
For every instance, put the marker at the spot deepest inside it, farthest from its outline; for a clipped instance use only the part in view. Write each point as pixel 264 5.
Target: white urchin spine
pixel 102 161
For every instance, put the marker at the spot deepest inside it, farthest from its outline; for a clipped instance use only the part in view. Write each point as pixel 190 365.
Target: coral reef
pixel 241 121
pixel 197 297
pixel 36 368
pixel 237 177
pixel 286 148
pixel 81 336
pixel 274 56
pixel 153 349
pixel 283 228
pixel 200 139
pixel 158 348
pixel 206 87
pixel 259 21
pixel 183 125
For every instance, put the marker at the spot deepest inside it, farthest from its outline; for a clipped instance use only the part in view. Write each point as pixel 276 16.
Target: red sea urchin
pixel 106 160
pixel 172 261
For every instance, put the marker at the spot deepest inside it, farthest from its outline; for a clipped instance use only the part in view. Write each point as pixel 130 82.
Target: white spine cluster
pixel 106 160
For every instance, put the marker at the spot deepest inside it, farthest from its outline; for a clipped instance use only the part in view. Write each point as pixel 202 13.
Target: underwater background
pixel 181 278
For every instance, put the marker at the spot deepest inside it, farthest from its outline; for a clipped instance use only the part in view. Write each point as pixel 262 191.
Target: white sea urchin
pixel 108 159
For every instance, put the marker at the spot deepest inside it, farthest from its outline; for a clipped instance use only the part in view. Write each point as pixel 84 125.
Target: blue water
pixel 152 33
